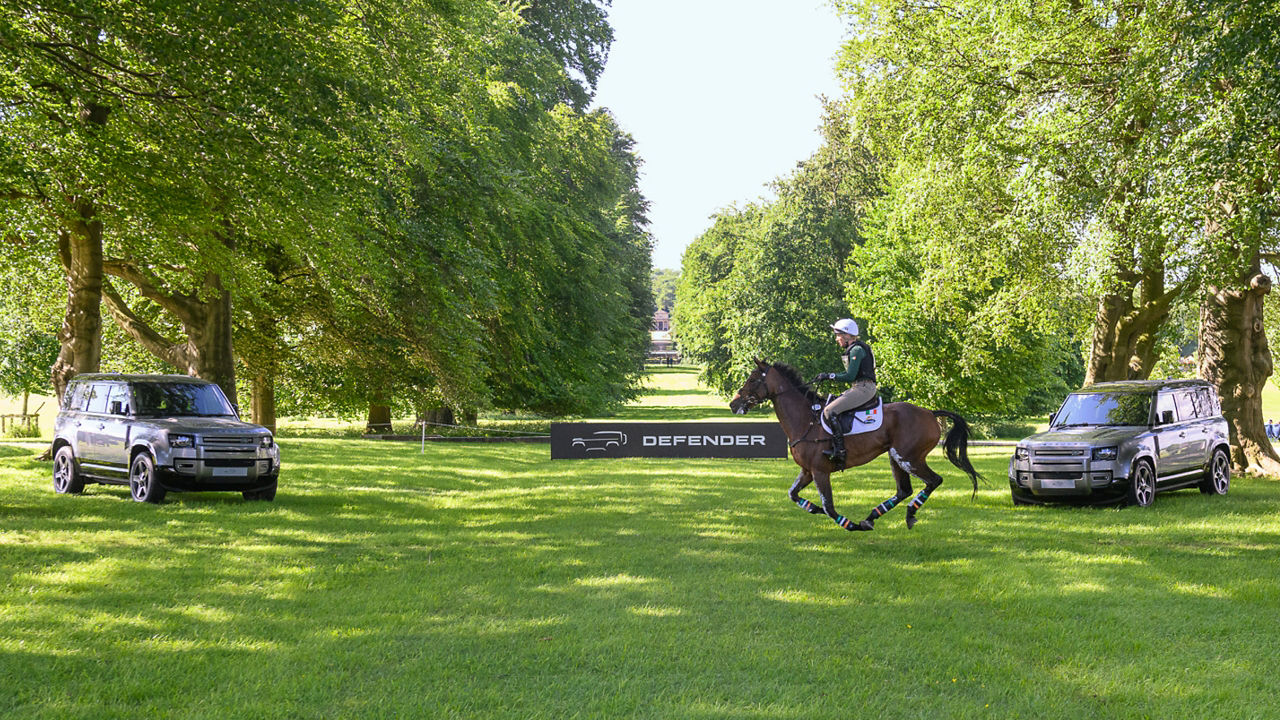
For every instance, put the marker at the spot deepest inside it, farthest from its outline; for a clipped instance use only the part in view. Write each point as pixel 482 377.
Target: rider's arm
pixel 856 354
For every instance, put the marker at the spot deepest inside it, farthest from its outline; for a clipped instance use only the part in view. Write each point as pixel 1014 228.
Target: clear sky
pixel 721 97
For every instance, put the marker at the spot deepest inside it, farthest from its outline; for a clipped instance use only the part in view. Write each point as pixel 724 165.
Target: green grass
pixel 487 581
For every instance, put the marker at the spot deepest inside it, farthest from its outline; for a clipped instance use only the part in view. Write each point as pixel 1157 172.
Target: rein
pixel 812 422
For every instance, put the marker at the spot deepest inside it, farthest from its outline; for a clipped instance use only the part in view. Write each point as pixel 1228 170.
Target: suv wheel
pixel 268 493
pixel 1142 484
pixel 1217 479
pixel 66 479
pixel 142 480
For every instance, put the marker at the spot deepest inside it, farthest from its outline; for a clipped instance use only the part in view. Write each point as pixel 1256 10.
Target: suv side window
pixel 1186 407
pixel 76 396
pixel 1165 412
pixel 98 398
pixel 120 394
pixel 1208 403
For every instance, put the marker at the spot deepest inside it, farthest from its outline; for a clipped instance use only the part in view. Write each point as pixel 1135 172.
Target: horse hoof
pixel 911 521
pixel 865 525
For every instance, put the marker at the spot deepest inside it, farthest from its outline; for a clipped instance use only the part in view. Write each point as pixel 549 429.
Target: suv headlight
pixel 1105 453
pixel 181 441
pixel 266 441
pixel 1021 453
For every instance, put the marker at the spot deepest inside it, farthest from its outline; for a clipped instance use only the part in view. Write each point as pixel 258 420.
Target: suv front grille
pixel 1058 453
pixel 226 440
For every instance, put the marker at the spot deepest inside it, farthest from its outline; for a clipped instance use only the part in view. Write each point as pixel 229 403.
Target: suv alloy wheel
pixel 142 480
pixel 1217 480
pixel 66 479
pixel 1142 486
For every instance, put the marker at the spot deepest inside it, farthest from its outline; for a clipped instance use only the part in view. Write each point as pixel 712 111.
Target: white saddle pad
pixel 863 420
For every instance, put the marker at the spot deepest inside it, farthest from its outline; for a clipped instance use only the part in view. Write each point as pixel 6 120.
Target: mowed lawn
pixel 487 581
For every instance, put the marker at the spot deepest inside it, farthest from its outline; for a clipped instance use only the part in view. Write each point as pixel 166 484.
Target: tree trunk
pixel 438 416
pixel 379 416
pixel 263 401
pixel 208 351
pixel 211 353
pixel 26 395
pixel 1235 357
pixel 1124 331
pixel 80 250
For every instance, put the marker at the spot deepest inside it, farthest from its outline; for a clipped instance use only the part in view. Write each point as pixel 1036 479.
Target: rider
pixel 859 369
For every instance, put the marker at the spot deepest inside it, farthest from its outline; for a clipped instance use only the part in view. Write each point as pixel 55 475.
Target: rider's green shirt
pixel 853 361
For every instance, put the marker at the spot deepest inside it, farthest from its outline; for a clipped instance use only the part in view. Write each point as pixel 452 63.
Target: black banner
pixel 667 440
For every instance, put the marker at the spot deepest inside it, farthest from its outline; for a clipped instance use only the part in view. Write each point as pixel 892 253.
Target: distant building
pixel 661 346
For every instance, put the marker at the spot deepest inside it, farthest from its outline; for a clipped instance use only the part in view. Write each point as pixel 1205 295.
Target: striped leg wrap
pixel 918 500
pixel 884 507
pixel 844 522
pixel 806 505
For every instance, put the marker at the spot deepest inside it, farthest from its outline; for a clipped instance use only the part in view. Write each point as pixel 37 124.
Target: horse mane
pixel 793 376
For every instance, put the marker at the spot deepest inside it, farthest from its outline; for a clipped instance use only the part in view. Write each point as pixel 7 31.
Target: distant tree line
pixel 1037 176
pixel 325 204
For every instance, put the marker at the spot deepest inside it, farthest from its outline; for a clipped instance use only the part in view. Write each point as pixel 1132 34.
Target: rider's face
pixel 844 339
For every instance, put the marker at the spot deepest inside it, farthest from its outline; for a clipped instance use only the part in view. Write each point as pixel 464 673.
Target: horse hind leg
pixel 921 470
pixel 802 481
pixel 903 480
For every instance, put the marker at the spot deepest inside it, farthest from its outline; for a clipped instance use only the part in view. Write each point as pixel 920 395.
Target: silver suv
pixel 1126 441
pixel 157 433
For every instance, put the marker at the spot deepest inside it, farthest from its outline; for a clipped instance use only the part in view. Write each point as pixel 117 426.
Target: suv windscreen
pixel 1119 408
pixel 178 398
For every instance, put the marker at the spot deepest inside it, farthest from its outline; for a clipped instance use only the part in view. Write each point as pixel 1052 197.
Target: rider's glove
pixel 822 376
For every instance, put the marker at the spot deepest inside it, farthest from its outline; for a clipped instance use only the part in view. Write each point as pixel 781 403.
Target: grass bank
pixel 490 582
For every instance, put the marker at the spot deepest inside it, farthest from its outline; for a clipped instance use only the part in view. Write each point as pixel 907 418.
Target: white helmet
pixel 846 326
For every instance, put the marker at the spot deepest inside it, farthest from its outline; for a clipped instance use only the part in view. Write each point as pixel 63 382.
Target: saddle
pixel 864 418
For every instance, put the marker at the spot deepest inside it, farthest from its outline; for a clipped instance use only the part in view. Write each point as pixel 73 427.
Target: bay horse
pixel 907 432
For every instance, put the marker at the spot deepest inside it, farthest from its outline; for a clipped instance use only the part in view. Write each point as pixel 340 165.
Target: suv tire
pixel 66 478
pixel 1217 477
pixel 268 493
pixel 1142 484
pixel 143 485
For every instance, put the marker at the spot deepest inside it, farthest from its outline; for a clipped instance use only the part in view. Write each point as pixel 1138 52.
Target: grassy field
pixel 486 581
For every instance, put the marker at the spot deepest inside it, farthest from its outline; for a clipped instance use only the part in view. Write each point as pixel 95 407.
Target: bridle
pixel 749 400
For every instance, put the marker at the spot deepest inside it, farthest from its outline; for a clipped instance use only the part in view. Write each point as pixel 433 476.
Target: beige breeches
pixel 861 392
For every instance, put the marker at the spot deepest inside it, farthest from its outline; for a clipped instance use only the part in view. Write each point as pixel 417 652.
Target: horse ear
pixel 761 364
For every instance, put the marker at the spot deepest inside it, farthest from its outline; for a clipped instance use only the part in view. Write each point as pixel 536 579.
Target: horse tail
pixel 957 445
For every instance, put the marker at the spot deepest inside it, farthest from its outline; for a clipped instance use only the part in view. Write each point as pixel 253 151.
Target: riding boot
pixel 836 453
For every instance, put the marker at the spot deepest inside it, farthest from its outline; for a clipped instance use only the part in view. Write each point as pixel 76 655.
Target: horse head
pixel 754 391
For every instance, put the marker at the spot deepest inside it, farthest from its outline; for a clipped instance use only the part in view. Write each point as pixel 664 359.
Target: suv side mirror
pixel 1166 417
pixel 1051 417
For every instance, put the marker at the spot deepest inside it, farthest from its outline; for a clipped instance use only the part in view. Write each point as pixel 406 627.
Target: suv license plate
pixel 1058 484
pixel 229 471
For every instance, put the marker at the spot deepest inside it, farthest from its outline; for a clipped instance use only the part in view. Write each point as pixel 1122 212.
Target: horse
pixel 908 432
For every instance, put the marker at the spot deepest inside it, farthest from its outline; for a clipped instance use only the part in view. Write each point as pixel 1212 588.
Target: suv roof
pixel 91 377
pixel 1143 385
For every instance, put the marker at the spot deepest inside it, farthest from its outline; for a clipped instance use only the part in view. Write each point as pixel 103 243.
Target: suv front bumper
pixel 1066 474
pixel 241 468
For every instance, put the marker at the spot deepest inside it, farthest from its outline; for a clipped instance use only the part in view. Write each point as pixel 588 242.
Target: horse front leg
pixel 823 481
pixel 802 481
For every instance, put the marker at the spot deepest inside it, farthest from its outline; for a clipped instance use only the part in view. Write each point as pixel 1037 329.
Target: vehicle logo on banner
pixel 674 440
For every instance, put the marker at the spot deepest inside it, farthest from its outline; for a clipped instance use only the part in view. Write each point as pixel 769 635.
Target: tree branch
pixel 137 328
pixel 148 288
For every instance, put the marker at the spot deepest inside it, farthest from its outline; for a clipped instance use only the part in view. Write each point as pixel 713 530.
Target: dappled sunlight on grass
pixel 487 581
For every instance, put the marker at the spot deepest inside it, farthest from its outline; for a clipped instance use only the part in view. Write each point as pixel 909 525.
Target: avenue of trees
pixel 324 204
pixel 1020 194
